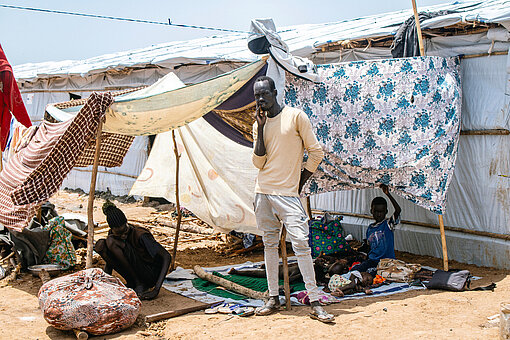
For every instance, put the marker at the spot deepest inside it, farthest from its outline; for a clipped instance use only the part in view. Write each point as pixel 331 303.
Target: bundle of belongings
pixel 89 300
pixel 47 240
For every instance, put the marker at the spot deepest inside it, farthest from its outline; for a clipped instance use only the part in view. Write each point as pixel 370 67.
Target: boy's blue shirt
pixel 381 240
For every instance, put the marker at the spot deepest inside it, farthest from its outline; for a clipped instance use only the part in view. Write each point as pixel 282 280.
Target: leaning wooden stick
pixel 90 207
pixel 443 243
pixel 418 28
pixel 177 202
pixel 286 282
pixel 236 288
pixel 177 312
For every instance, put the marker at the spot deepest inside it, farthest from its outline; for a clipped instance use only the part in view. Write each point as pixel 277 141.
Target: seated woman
pixel 133 253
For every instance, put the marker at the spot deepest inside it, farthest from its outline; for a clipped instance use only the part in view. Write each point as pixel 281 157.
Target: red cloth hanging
pixel 10 100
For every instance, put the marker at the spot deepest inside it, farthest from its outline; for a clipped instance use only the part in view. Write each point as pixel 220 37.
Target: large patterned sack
pixel 327 238
pixel 61 250
pixel 89 300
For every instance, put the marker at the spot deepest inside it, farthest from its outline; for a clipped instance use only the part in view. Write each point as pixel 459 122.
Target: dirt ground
pixel 411 315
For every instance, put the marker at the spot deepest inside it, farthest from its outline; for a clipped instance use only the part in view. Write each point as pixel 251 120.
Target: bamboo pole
pixel 90 207
pixel 177 202
pixel 286 282
pixel 418 29
pixel 443 243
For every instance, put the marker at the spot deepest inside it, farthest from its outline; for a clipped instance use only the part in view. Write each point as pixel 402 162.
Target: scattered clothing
pixel 61 250
pixel 396 270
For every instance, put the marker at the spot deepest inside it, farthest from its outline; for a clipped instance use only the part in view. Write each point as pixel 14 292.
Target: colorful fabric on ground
pixel 10 100
pixel 61 250
pixel 394 121
pixel 327 238
pixel 89 300
pixel 39 166
pixel 337 281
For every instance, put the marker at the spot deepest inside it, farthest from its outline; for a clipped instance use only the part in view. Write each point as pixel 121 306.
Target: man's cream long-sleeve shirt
pixel 285 138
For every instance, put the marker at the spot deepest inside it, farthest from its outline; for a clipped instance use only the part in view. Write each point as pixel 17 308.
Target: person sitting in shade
pixel 380 233
pixel 133 253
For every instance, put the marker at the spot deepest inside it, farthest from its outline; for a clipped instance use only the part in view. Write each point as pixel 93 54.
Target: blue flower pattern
pixel 392 121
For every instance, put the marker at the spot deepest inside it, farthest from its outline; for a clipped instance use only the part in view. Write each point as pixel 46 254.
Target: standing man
pixel 280 135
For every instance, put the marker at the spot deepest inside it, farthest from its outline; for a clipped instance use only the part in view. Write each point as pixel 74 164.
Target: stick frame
pixel 418 29
pixel 90 207
pixel 443 243
pixel 177 201
pixel 286 282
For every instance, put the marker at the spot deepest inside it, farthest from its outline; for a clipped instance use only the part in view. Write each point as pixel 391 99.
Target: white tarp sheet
pixel 216 176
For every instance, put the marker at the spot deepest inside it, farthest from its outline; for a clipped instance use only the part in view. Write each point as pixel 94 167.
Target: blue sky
pixel 29 37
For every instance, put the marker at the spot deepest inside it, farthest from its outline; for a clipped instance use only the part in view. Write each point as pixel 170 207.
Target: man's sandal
pixel 318 313
pixel 271 306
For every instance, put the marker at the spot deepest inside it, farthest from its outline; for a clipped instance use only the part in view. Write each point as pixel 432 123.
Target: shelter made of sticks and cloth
pixel 476 210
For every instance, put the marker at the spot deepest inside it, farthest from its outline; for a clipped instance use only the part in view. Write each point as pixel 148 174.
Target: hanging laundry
pixel 10 100
pixel 394 121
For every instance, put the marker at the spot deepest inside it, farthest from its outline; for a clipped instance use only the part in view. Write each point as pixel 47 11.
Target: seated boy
pixel 380 233
pixel 133 253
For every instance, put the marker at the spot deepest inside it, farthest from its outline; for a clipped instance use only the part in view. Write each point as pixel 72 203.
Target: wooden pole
pixel 286 282
pixel 308 207
pixel 177 312
pixel 90 207
pixel 418 29
pixel 443 243
pixel 235 287
pixel 177 202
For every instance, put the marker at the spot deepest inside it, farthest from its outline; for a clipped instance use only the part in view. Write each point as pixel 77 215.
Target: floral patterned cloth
pixel 61 250
pixel 393 121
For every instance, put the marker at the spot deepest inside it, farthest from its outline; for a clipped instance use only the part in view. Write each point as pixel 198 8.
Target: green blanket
pixel 254 283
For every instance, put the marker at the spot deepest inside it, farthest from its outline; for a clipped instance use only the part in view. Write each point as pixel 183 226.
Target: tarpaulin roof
pixel 302 41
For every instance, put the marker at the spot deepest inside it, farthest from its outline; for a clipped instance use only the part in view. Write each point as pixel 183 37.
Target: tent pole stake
pixel 92 191
pixel 286 282
pixel 177 202
pixel 418 29
pixel 443 243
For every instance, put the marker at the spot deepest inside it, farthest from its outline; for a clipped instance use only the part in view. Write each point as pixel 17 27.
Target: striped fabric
pixel 36 171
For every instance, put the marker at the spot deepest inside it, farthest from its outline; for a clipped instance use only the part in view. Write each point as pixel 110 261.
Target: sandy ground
pixel 410 315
